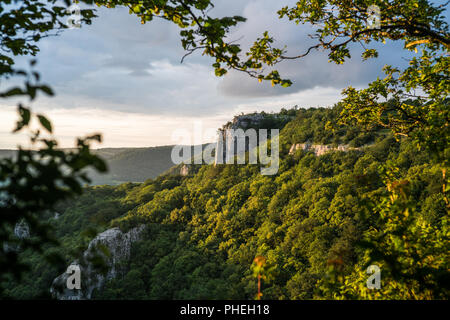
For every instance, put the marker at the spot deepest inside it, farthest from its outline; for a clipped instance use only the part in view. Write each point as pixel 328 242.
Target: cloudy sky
pixel 125 79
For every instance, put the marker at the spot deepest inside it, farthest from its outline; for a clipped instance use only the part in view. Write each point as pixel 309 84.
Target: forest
pixel 311 231
pixel 315 222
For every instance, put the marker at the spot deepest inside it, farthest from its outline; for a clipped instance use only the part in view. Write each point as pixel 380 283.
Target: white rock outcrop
pixel 112 246
pixel 226 136
pixel 319 149
pixel 184 171
pixel 22 230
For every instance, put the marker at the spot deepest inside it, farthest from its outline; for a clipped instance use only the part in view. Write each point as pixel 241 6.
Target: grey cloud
pixel 306 73
pixel 119 64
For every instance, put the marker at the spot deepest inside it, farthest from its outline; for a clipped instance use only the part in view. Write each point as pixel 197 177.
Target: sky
pixel 125 80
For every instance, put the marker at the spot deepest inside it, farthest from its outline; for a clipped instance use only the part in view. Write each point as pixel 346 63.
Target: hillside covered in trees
pixel 319 223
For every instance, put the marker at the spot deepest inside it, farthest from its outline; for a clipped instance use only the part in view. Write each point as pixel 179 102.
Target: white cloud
pixel 131 129
pixel 119 129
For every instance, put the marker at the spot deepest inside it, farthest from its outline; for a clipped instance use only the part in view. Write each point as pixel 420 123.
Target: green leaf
pixel 47 90
pixel 25 114
pixel 45 123
pixel 12 92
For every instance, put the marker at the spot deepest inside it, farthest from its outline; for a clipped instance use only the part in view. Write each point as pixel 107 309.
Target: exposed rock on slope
pixel 113 246
pixel 244 122
pixel 319 149
pixel 22 230
pixel 184 171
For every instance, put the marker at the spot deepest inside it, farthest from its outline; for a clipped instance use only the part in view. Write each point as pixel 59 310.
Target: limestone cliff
pixel 319 149
pixel 22 230
pixel 184 171
pixel 112 246
pixel 244 122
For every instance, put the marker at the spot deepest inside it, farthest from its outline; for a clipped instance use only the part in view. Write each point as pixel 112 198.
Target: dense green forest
pixel 315 222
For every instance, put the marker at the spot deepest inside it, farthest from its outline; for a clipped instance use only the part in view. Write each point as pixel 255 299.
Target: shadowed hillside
pixel 127 164
pixel 132 164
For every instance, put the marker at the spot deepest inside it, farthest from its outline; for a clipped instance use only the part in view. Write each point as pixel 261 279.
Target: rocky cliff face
pixel 112 246
pixel 184 171
pixel 22 230
pixel 225 134
pixel 243 122
pixel 319 149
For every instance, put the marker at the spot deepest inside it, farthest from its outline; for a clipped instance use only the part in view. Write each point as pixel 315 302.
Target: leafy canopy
pixel 33 181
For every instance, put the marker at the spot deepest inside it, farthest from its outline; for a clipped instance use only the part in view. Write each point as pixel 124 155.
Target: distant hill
pixel 4 153
pixel 127 164
pixel 132 164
